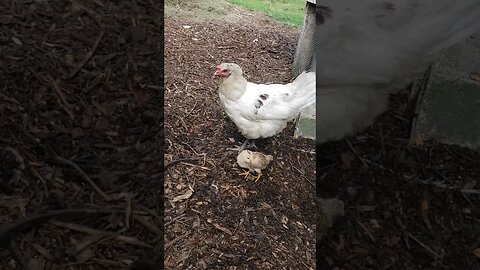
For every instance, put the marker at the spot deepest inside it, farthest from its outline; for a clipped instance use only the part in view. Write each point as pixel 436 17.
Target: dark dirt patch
pixel 81 80
pixel 404 206
pixel 230 221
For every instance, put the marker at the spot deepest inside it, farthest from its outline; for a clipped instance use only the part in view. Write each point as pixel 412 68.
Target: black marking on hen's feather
pixel 258 104
pixel 322 13
pixel 264 96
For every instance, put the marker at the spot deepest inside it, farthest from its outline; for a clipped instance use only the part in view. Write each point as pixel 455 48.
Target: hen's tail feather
pixel 304 86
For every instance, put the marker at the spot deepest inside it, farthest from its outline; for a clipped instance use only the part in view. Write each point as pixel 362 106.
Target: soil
pixel 81 134
pixel 214 218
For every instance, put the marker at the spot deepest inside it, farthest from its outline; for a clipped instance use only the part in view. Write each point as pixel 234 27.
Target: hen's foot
pixel 251 144
pixel 240 148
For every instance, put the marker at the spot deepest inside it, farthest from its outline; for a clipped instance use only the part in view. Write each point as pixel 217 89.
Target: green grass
pixel 290 12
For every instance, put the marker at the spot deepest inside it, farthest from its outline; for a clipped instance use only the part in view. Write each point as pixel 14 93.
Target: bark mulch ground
pixel 81 128
pixel 407 205
pixel 214 218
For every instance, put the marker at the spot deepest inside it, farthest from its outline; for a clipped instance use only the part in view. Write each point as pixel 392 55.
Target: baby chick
pixel 254 162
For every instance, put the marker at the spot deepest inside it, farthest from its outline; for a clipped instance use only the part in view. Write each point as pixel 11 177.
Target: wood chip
pixel 223 229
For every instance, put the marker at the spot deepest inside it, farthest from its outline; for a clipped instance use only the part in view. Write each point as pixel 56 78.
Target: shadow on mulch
pixel 406 206
pixel 81 127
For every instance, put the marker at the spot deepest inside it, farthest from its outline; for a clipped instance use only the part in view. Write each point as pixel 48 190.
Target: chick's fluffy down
pixel 253 161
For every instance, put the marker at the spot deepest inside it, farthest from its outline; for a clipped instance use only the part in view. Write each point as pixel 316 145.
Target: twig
pixel 66 105
pixel 226 47
pixel 128 210
pixel 167 245
pixel 380 166
pixel 355 152
pixel 367 231
pixel 37 174
pixel 470 191
pixel 174 220
pixel 427 248
pixel 193 108
pixel 191 148
pixel 382 140
pixel 9 230
pixel 173 162
pixel 17 172
pixel 17 253
pixel 120 238
pixel 311 152
pixel 85 176
pixel 198 166
pixel 89 55
pixel 149 225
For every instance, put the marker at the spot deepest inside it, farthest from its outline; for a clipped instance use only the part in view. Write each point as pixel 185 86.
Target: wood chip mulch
pixel 81 134
pixel 214 218
pixel 407 206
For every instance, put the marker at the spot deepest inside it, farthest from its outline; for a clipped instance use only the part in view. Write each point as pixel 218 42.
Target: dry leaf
pixel 185 196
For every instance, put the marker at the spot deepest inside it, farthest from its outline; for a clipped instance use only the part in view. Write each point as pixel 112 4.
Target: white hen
pixel 369 49
pixel 262 110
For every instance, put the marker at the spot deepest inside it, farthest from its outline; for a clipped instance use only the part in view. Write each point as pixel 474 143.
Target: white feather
pixel 371 48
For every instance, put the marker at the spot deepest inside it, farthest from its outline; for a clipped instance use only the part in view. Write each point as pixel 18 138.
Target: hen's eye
pixel 225 70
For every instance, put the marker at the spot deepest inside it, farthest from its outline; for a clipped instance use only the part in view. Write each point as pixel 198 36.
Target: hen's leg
pixel 240 148
pixel 251 144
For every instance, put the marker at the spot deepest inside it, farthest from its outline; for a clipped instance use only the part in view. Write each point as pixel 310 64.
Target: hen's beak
pixel 217 72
